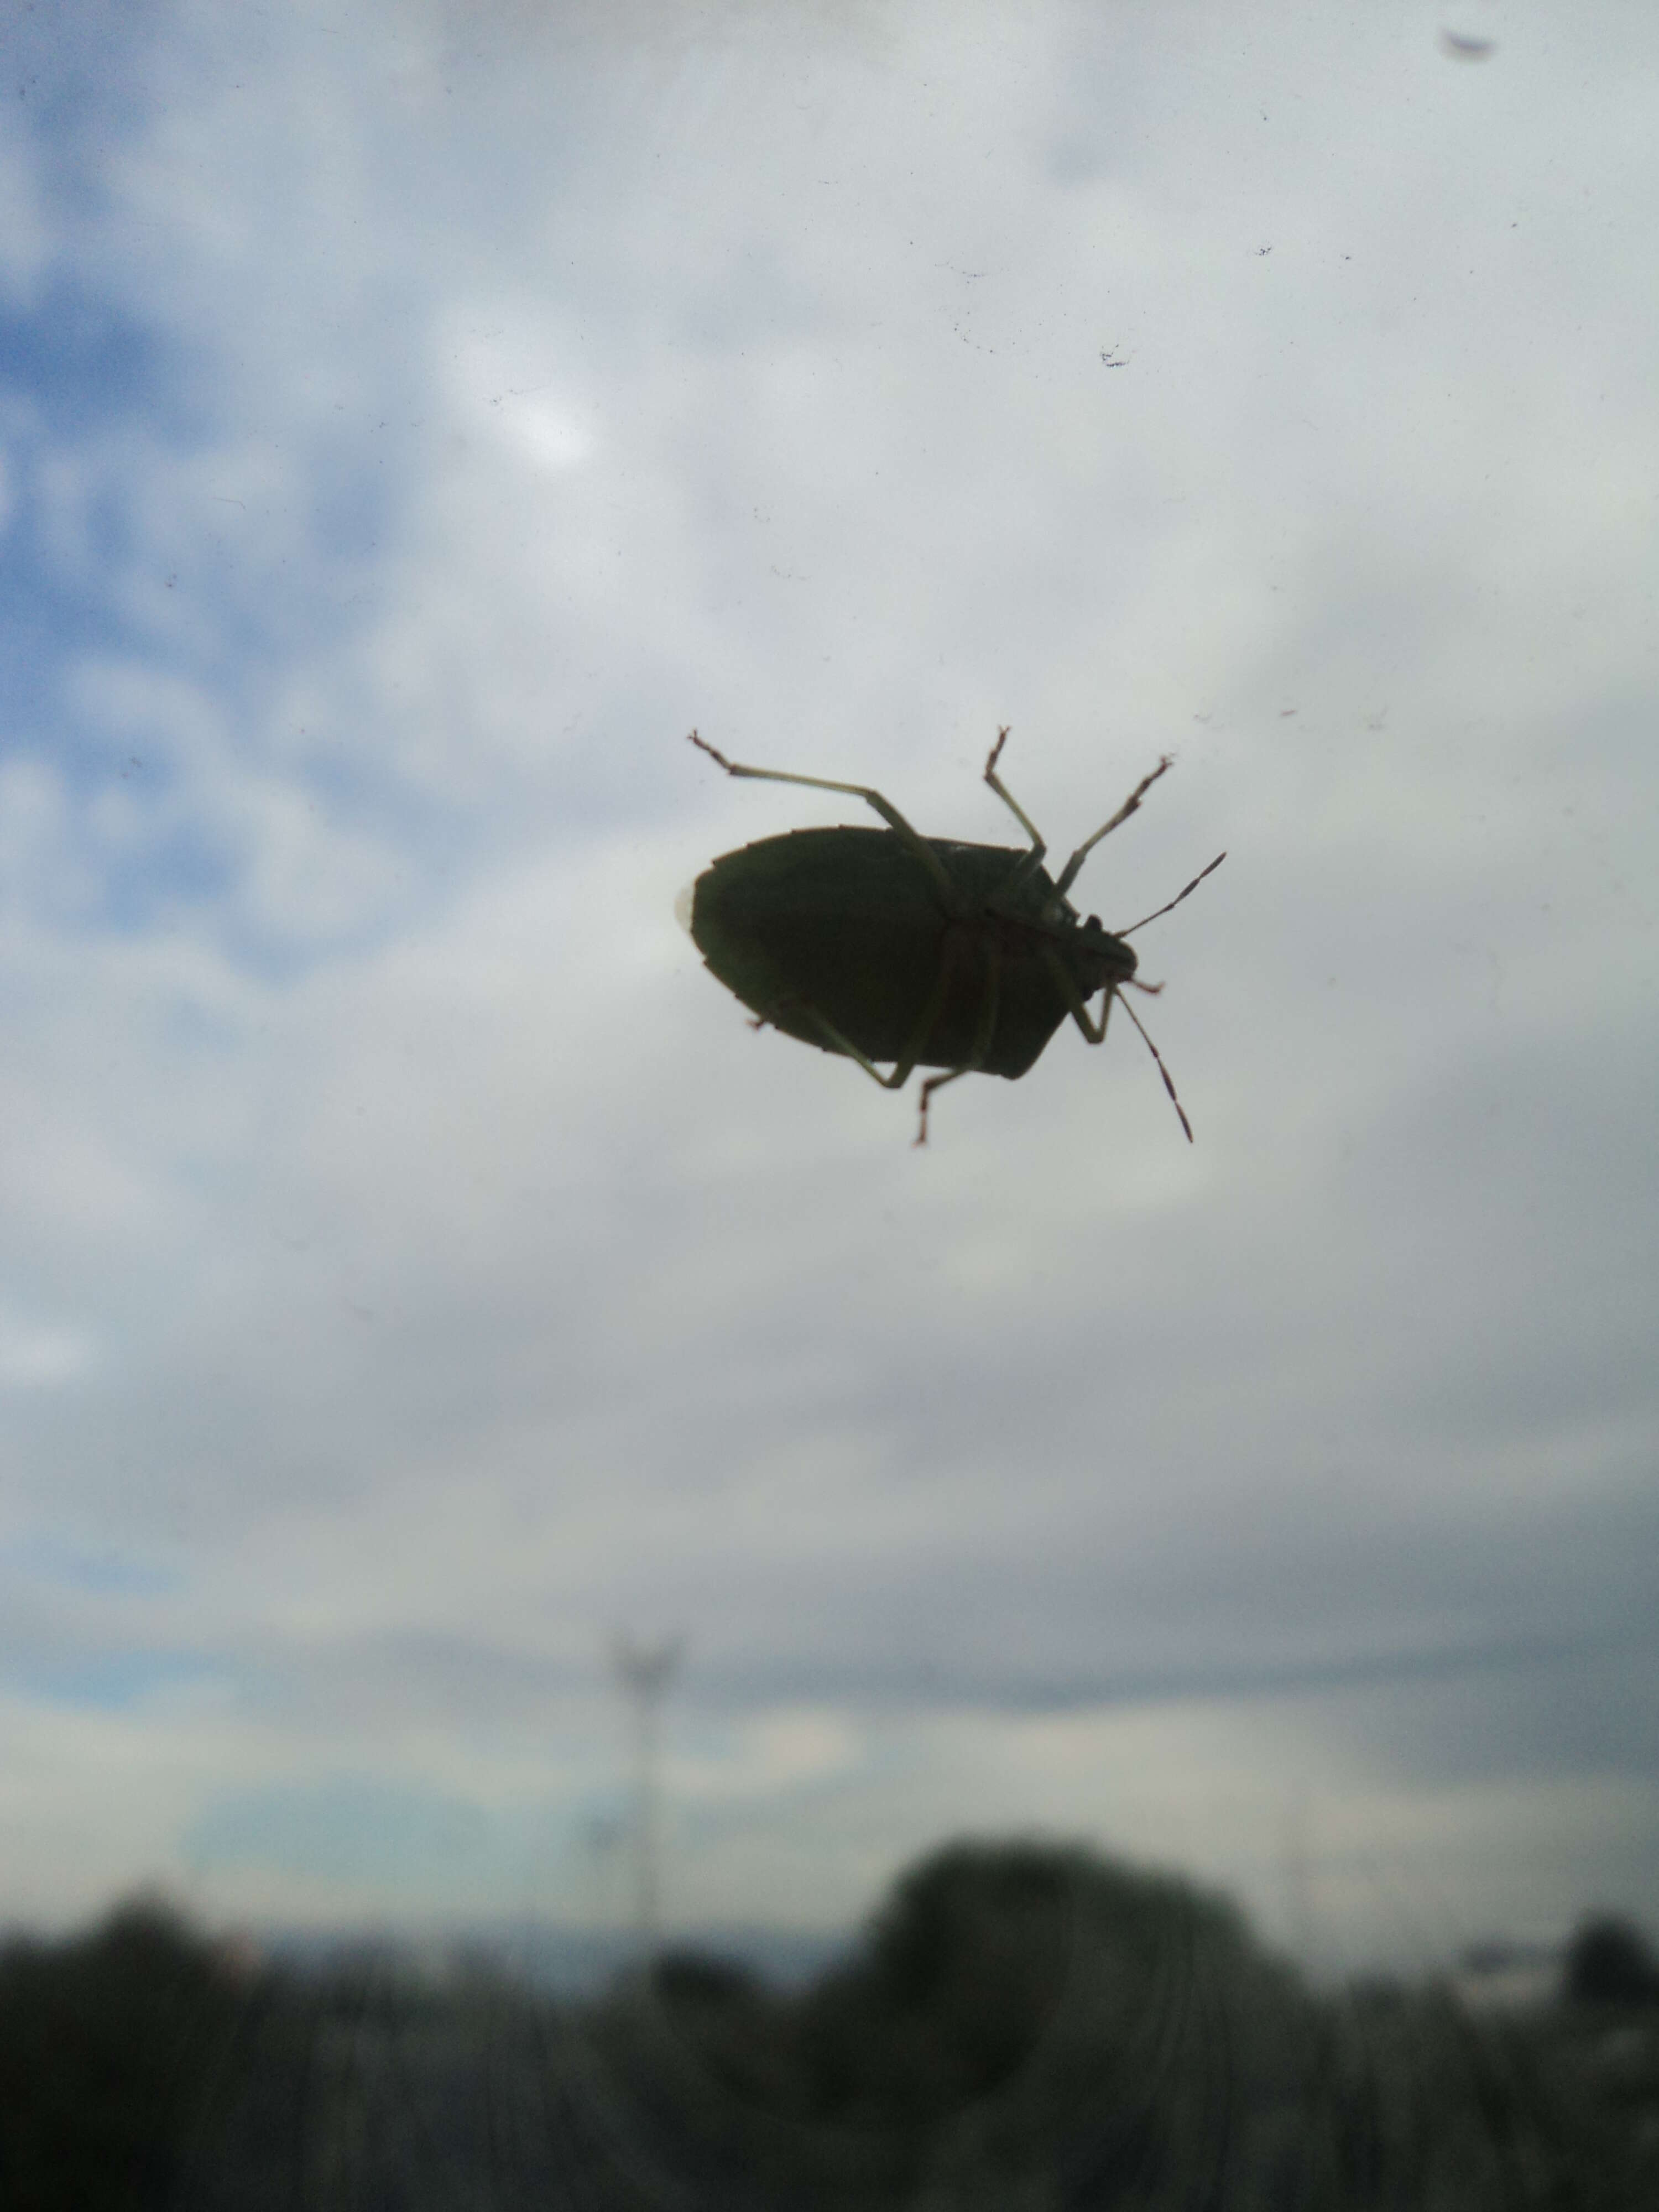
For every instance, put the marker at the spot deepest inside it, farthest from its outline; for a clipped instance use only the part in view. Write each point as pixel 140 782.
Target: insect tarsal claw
pixel 703 746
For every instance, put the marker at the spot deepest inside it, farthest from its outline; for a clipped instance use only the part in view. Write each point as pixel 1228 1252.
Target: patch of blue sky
pixel 86 679
pixel 69 367
pixel 158 608
pixel 116 1681
pixel 357 1828
pixel 74 369
pixel 74 78
pixel 122 889
pixel 100 1570
pixel 83 362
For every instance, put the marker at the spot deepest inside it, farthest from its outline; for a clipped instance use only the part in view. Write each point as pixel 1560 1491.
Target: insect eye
pixel 1094 921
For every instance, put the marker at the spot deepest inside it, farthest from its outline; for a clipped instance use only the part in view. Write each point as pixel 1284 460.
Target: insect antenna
pixel 1173 903
pixel 1154 1051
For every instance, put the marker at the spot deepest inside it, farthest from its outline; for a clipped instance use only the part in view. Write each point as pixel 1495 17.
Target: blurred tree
pixel 960 1974
pixel 107 2044
pixel 1609 1961
pixel 1020 2016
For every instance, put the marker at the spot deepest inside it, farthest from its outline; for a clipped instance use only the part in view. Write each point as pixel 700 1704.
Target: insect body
pixel 883 945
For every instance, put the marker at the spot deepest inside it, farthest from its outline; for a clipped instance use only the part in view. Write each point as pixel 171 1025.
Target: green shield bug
pixel 883 945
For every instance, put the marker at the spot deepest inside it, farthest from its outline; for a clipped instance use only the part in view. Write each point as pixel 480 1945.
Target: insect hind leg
pixel 918 844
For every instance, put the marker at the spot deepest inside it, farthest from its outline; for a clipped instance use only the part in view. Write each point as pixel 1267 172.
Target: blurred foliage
pixel 1023 2027
pixel 1610 1962
pixel 107 2044
pixel 1031 2026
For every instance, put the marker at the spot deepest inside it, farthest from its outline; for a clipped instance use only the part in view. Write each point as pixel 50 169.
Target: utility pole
pixel 646 1672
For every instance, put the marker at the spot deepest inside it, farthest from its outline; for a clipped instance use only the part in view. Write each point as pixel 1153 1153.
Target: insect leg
pixel 1065 983
pixel 1073 998
pixel 916 1043
pixel 888 813
pixel 1123 813
pixel 983 1035
pixel 1027 861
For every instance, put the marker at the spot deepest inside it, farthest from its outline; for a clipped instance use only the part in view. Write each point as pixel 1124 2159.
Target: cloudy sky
pixel 414 419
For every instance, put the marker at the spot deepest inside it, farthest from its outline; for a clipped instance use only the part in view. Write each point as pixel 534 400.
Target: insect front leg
pixel 1066 984
pixel 1073 998
pixel 889 814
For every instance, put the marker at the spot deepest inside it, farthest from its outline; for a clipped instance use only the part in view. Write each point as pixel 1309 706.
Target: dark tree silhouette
pixel 107 2044
pixel 1610 1962
pixel 1024 2025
